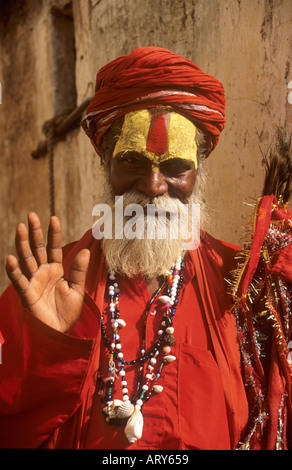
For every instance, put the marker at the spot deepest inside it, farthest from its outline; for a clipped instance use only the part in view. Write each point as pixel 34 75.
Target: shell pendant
pixel 119 409
pixel 134 426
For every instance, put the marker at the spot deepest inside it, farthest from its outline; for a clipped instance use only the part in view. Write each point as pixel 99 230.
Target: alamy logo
pixel 149 222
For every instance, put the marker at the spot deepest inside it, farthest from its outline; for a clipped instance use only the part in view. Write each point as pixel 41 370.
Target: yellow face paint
pixel 180 137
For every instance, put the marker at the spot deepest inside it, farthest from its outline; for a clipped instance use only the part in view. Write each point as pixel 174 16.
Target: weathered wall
pixel 244 43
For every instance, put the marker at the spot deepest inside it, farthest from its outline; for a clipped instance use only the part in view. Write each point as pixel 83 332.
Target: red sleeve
pixel 44 374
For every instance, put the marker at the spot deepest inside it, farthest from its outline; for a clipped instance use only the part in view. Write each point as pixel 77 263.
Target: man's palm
pixel 38 275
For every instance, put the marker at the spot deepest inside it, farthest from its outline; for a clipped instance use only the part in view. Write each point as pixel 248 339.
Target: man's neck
pixel 153 285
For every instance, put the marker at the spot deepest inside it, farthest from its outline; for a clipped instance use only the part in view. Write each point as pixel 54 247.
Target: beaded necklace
pixel 128 411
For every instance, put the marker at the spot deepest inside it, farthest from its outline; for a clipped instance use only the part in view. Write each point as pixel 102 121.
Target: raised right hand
pixel 38 275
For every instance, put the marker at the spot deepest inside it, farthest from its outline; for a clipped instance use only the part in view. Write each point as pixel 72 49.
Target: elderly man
pixel 134 342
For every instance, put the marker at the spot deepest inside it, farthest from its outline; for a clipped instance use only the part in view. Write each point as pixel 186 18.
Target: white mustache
pixel 160 203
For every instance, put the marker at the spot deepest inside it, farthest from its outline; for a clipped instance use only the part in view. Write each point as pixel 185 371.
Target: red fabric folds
pixel 272 390
pixel 150 77
pixel 282 264
pixel 267 211
pixel 263 219
pixel 49 401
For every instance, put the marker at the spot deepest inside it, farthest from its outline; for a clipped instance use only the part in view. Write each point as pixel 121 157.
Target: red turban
pixel 150 77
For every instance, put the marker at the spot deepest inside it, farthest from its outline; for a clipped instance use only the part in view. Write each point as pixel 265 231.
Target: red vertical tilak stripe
pixel 157 141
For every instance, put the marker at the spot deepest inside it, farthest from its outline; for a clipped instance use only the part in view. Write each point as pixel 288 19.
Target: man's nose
pixel 153 183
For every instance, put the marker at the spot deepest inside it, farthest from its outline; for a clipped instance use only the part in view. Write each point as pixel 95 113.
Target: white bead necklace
pixel 129 411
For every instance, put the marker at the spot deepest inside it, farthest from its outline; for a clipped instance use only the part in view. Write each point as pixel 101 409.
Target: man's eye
pixel 133 160
pixel 129 160
pixel 176 166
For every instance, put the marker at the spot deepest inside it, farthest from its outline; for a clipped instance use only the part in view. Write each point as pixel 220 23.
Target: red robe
pixel 48 396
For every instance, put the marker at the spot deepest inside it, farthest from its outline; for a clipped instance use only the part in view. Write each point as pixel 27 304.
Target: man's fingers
pixel 27 261
pixel 78 271
pixel 16 276
pixel 54 248
pixel 36 238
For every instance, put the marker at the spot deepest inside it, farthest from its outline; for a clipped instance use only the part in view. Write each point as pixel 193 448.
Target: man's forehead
pixel 158 134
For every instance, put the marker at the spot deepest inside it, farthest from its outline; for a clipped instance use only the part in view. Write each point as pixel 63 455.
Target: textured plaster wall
pixel 244 43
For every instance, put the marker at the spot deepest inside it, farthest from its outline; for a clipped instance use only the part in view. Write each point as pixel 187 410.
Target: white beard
pixel 146 256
